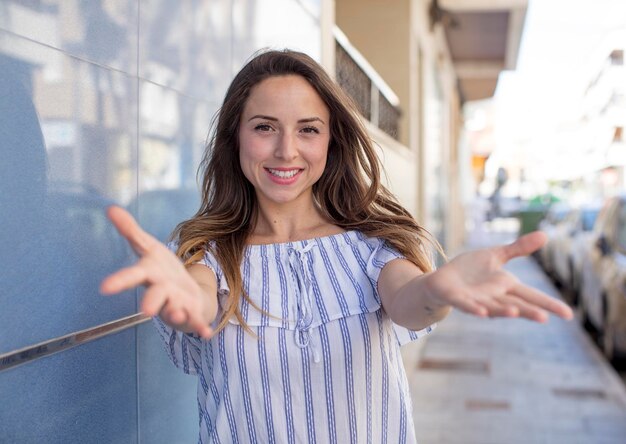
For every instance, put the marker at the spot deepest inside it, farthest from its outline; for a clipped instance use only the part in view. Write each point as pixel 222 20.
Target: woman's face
pixel 283 139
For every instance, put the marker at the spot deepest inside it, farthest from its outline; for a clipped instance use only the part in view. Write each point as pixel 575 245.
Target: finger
pixel 124 279
pixel 496 308
pixel 173 310
pixel 185 318
pixel 197 324
pixel 128 227
pixel 526 310
pixel 177 316
pixel 542 300
pixel 523 246
pixel 154 299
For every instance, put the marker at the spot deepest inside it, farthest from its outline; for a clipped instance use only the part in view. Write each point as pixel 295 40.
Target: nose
pixel 287 147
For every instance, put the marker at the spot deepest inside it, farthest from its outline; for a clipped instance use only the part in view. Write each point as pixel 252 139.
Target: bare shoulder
pixel 202 274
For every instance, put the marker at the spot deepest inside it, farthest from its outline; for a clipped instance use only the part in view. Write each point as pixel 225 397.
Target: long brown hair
pixel 349 194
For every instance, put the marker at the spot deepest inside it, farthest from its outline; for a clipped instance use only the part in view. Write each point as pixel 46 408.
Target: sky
pixel 558 54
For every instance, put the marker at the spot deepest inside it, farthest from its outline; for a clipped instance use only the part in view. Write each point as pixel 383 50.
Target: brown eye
pixel 263 127
pixel 310 130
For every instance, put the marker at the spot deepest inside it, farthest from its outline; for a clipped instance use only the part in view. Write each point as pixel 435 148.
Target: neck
pixel 289 222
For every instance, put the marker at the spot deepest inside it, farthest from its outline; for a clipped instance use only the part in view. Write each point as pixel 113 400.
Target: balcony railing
pixel 374 98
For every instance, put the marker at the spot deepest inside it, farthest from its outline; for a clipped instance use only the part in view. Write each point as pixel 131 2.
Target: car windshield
pixel 589 218
pixel 557 214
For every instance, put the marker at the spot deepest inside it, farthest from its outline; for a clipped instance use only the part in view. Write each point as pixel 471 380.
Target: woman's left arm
pixel 473 282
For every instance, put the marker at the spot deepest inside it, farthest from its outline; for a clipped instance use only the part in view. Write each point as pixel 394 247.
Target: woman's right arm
pixel 184 298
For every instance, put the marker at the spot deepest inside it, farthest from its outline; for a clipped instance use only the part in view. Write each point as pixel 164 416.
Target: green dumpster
pixel 530 217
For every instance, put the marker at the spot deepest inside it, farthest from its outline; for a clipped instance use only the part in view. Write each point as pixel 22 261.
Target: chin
pixel 281 199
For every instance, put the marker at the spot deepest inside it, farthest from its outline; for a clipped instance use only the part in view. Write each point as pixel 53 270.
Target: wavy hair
pixel 349 193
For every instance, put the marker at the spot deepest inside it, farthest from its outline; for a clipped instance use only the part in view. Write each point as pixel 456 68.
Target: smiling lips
pixel 283 176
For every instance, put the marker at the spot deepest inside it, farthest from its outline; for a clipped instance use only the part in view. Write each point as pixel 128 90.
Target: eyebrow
pixel 274 119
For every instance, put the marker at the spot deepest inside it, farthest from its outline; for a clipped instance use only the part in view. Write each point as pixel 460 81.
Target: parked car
pixel 571 243
pixel 603 278
pixel 550 225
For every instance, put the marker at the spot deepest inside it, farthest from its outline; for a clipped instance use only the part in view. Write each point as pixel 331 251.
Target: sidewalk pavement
pixel 497 381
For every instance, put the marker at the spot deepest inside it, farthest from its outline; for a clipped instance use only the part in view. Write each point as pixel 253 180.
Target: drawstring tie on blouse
pixel 299 263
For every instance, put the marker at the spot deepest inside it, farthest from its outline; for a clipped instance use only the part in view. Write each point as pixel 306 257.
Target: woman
pixel 301 273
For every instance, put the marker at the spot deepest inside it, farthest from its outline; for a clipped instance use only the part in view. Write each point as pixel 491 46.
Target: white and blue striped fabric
pixel 325 365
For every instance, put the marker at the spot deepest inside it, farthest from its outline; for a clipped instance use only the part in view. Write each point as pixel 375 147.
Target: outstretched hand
pixel 476 283
pixel 171 291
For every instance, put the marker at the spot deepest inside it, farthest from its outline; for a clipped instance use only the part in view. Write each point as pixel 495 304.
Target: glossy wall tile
pixel 108 102
pixel 186 45
pixel 69 148
pixel 167 405
pixel 83 395
pixel 102 32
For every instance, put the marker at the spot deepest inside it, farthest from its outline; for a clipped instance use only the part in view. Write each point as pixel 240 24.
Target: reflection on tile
pixel 186 46
pixel 68 152
pixel 275 24
pixel 172 136
pixel 168 408
pixel 99 31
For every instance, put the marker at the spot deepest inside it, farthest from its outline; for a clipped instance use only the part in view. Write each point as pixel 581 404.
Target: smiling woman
pixel 283 146
pixel 297 243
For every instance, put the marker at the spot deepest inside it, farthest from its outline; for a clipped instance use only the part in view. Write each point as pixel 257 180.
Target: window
pixel 617 57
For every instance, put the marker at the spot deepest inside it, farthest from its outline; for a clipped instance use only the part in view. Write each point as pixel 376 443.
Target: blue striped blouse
pixel 325 365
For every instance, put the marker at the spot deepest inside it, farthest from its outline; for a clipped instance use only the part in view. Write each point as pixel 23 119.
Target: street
pixel 494 381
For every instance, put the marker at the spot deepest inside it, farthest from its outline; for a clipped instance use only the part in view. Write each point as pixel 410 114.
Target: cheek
pixel 254 148
pixel 322 156
pixel 245 157
pixel 248 151
pixel 319 160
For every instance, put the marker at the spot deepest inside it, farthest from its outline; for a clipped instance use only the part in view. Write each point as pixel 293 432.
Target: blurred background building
pixel 601 152
pixel 556 124
pixel 108 102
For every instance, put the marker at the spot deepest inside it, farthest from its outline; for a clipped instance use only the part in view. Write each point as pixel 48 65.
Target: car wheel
pixel 580 311
pixel 570 292
pixel 581 315
pixel 607 335
pixel 608 342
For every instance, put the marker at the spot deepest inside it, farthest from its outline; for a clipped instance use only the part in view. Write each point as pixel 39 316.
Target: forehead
pixel 288 93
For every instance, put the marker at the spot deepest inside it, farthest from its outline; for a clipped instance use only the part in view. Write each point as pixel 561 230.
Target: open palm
pixel 475 282
pixel 170 292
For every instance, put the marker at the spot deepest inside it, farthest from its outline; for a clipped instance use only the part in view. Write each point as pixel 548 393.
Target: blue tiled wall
pixel 107 102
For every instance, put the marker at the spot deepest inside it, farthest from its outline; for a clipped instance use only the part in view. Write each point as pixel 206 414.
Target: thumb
pixel 523 246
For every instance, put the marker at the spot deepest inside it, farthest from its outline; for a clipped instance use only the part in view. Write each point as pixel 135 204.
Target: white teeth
pixel 283 174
